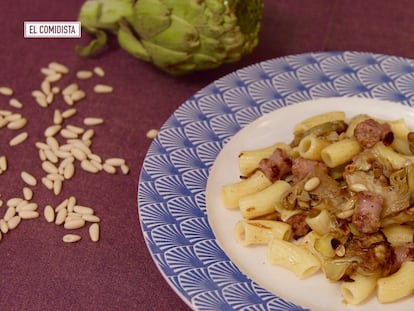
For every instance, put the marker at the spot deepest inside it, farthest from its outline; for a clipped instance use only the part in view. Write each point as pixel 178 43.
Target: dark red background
pixel 39 271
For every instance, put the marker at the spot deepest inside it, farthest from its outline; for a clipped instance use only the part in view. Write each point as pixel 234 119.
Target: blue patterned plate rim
pixel 171 188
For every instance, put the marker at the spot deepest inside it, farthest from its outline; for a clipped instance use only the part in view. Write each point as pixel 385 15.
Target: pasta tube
pixel 310 147
pixel 263 202
pixel 249 159
pixel 340 152
pixel 249 232
pixel 398 285
pixel 321 224
pixel 296 258
pixel 360 289
pixel 232 193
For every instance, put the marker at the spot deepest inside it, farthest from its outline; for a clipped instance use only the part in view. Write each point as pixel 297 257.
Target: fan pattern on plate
pixel 171 194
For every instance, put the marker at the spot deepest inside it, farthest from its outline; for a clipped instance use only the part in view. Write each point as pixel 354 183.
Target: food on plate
pixel 339 198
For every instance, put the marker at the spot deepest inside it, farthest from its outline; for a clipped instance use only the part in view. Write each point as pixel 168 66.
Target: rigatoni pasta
pixel 339 199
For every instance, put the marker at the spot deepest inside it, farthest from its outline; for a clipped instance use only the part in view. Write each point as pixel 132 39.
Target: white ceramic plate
pixel 189 233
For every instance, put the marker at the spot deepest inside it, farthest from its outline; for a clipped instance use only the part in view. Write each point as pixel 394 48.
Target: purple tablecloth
pixel 39 271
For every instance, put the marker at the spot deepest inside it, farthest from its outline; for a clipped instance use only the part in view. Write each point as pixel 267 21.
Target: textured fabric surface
pixel 39 271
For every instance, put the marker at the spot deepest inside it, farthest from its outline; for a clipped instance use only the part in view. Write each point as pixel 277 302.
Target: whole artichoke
pixel 177 36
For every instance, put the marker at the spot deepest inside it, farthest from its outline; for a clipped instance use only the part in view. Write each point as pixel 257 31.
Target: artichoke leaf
pixel 151 17
pixel 101 39
pixel 130 43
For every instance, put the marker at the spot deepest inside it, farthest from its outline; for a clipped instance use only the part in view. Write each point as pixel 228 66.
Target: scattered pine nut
pixel 18 139
pixel 26 214
pixel 58 67
pixel 84 74
pixel 27 193
pixel 28 178
pixel 6 91
pixel 93 121
pixel 102 88
pixel 152 133
pixel 54 77
pixel 71 238
pixel 94 232
pixel 3 163
pixel 115 161
pixel 78 95
pixel 14 222
pixel 99 71
pixel 49 213
pixel 68 113
pixel 15 103
pixel 17 124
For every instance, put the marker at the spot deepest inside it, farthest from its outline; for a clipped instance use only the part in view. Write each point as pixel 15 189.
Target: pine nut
pixel 68 100
pixel 45 86
pixel 10 212
pixel 95 157
pixel 52 130
pixel 3 163
pixel 61 216
pixel 93 121
pixel 75 129
pixel 91 218
pixel 80 209
pixel 99 71
pixel 52 142
pixel 47 71
pixel 47 183
pixel 26 214
pixel 14 201
pixel 78 154
pixel 7 91
pixel 124 169
pixel 109 168
pixel 13 222
pixel 28 178
pixel 4 228
pixel 18 139
pixel 102 88
pixel 57 186
pixel 88 134
pixel 57 117
pixel 88 166
pixel 312 184
pixel 68 90
pixel 62 205
pixel 74 223
pixel 17 124
pixel 27 207
pixel 27 193
pixel 49 167
pixel 69 171
pixel 71 238
pixel 15 103
pixel 49 213
pixel 51 156
pixel 84 74
pixel 115 161
pixel 54 77
pixel 94 232
pixel 69 113
pixel 58 67
pixel 358 187
pixel 152 133
pixel 66 133
pixel 78 95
